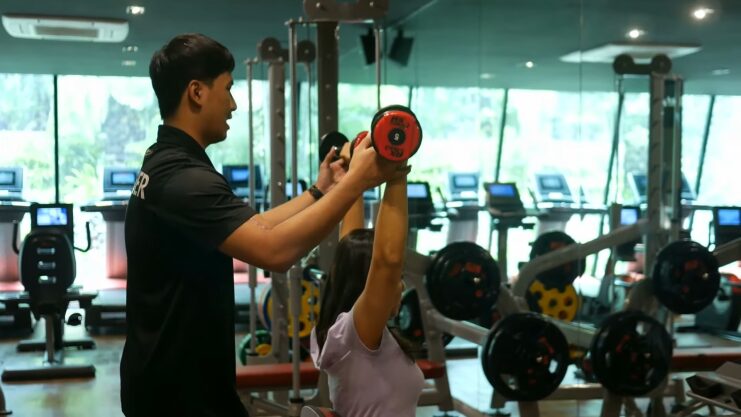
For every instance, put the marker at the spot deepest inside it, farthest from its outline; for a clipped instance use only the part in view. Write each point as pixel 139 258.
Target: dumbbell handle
pixel 578 334
pixel 729 252
pixel 463 329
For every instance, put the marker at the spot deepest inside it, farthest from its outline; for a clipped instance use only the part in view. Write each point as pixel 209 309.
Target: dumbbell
pixel 333 139
pixel 395 133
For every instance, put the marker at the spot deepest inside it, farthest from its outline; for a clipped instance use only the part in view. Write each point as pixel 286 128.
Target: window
pixel 27 131
pixel 103 122
pixel 719 184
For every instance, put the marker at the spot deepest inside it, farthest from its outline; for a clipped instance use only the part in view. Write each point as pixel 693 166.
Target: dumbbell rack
pixel 663 220
pixel 436 324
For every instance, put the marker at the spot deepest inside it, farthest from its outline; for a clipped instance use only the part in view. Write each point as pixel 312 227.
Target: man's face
pixel 218 107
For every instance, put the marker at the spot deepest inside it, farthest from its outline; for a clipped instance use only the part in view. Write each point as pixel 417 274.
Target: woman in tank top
pixel 370 374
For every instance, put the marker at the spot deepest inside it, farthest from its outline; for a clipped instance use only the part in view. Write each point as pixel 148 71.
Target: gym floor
pixel 100 396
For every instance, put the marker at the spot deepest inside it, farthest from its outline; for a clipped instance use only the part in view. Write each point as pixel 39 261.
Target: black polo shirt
pixel 179 357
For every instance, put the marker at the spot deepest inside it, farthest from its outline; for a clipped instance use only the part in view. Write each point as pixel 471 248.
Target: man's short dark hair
pixel 186 57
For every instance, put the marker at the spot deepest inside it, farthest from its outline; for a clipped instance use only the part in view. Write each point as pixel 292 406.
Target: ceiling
pixel 456 41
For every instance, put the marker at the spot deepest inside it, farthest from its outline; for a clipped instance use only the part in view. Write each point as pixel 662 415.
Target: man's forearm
pixel 281 213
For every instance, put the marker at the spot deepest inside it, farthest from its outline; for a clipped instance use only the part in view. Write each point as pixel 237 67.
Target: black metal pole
pixel 610 167
pixel 502 125
pixel 704 148
pixel 56 138
pixel 614 149
pixel 327 76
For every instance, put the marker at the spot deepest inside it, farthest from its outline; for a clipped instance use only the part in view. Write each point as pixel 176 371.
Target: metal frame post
pixel 270 52
pixel 327 80
pixel 655 239
pixel 252 270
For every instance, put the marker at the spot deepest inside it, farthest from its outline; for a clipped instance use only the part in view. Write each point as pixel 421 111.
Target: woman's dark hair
pixel 186 57
pixel 346 282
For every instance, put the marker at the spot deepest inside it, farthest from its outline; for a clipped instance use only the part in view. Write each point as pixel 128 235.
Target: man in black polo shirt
pixel 183 227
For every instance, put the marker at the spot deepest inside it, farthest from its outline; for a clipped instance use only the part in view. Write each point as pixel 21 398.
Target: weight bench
pixel 274 377
pixel 278 377
pixel 703 359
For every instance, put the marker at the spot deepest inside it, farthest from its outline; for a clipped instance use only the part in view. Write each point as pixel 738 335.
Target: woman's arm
pixel 354 218
pixel 381 294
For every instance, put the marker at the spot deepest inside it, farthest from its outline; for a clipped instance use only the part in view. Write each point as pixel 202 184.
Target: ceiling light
pixel 129 48
pixel 721 71
pixel 128 63
pixel 635 33
pixel 135 10
pixel 487 76
pixel 701 13
pixel 529 64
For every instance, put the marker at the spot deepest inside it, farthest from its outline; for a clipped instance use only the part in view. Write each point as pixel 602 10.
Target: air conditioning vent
pixel 63 28
pixel 50 31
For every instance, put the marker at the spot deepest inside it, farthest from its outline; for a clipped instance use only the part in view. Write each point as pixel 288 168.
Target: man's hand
pixel 370 169
pixel 330 173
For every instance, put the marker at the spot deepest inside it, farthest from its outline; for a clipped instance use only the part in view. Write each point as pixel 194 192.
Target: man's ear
pixel 195 91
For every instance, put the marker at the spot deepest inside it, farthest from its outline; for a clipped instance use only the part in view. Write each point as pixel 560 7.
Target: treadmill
pixel 238 178
pixel 15 318
pixel 723 316
pixel 108 310
pixel 507 211
pixel 422 213
pixel 462 206
pixel 639 183
pixel 555 203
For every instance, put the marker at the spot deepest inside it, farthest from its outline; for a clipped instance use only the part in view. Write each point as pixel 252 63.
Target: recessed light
pixel 701 13
pixel 635 33
pixel 529 64
pixel 128 63
pixel 487 76
pixel 135 10
pixel 720 71
pixel 129 48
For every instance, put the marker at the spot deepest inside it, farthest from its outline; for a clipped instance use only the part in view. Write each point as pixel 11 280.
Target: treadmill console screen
pixel 629 215
pixel 553 188
pixel 52 216
pixel 502 190
pixel 729 217
pixel 416 190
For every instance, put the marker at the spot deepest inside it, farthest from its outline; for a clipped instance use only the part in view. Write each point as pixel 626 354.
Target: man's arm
pixel 329 175
pixel 281 213
pixel 277 247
